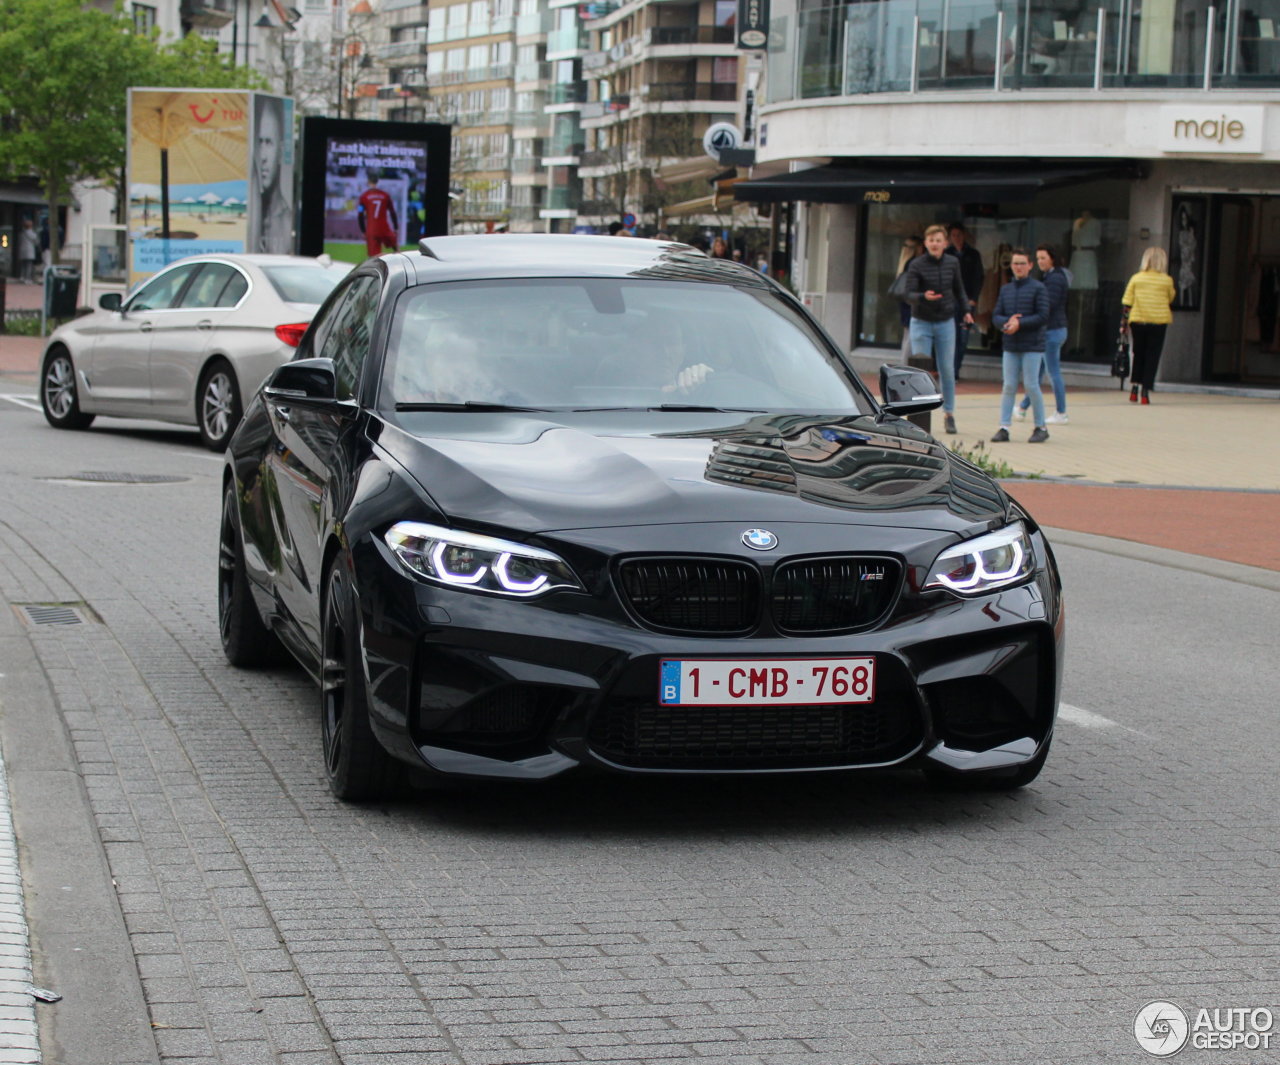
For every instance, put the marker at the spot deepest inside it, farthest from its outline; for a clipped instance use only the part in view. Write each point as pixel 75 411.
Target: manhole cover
pixel 101 477
pixel 53 613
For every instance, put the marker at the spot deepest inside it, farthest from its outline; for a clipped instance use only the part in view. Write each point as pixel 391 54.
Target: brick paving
pixel 765 922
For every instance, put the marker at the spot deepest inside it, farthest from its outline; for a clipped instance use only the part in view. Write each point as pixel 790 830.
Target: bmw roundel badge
pixel 760 539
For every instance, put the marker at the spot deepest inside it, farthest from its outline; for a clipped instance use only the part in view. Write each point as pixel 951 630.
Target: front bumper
pixel 478 686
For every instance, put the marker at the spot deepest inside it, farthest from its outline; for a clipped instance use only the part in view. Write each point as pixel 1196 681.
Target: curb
pixel 1163 556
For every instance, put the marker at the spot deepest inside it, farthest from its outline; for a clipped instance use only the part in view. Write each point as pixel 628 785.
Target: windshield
pixel 304 283
pixel 592 343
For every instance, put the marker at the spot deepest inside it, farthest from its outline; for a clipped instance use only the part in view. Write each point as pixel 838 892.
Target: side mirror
pixel 306 382
pixel 110 301
pixel 904 390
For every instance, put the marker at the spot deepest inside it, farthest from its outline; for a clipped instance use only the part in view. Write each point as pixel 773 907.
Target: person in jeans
pixel 1147 303
pixel 1056 280
pixel 936 294
pixel 972 276
pixel 1021 311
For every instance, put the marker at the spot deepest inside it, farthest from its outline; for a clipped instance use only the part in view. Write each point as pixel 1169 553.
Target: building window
pixel 144 18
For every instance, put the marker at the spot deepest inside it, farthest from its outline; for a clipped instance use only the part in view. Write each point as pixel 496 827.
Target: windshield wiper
pixel 469 405
pixel 696 408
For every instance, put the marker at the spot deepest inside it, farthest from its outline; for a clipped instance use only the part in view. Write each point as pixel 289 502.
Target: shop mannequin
pixel 1086 237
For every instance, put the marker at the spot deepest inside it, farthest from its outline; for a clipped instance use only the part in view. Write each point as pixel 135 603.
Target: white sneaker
pixel 1056 419
pixel 1021 414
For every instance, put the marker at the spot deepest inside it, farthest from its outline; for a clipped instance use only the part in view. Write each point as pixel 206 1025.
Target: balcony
pixel 570 40
pixel 687 91
pixel 895 46
pixel 208 14
pixel 574 92
pixel 530 25
pixel 690 35
pixel 400 50
pixel 598 207
pixel 560 198
pixel 597 9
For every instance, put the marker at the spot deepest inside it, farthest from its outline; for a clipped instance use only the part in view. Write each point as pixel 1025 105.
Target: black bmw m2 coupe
pixel 524 505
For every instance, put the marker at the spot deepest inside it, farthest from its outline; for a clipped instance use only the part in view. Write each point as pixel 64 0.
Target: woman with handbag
pixel 1148 300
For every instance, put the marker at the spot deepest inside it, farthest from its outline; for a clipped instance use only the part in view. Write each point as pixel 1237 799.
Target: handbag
pixel 1120 364
pixel 898 290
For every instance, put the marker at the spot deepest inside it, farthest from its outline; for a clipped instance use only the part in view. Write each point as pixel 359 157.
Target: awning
pixel 946 181
pixel 14 193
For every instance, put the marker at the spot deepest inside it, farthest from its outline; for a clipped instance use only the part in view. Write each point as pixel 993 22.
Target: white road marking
pixel 30 402
pixel 1087 718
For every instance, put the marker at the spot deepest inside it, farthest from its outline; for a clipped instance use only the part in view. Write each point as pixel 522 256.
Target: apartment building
pixel 1104 128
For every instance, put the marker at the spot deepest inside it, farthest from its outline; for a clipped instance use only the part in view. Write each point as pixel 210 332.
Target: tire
pixel 990 780
pixel 246 641
pixel 358 767
pixel 218 409
pixel 58 395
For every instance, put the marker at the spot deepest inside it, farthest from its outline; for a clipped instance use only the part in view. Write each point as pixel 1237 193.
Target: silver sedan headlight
pixel 479 563
pixel 985 563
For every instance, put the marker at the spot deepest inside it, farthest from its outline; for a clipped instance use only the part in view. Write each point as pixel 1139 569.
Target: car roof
pixel 570 255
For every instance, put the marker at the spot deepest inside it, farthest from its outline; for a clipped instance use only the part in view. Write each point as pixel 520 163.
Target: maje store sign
pixel 1208 130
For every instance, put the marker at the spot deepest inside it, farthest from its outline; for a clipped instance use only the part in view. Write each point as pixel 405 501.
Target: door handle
pixel 144 327
pixel 205 323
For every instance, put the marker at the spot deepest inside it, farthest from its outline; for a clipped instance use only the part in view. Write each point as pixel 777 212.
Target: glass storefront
pixel 819 49
pixel 1087 223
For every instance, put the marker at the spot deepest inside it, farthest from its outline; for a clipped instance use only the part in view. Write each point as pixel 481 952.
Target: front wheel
pixel 246 641
pixel 58 395
pixel 218 406
pixel 358 767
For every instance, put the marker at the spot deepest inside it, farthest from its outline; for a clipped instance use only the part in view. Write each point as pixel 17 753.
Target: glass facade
pixel 821 49
pixel 1087 223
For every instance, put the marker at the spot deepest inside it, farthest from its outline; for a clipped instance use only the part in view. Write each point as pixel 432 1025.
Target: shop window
pixel 1087 223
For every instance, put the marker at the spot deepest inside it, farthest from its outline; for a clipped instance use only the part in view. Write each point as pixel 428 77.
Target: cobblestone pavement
pixel 822 921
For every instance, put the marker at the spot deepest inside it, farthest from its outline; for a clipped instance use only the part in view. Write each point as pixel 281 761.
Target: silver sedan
pixel 191 345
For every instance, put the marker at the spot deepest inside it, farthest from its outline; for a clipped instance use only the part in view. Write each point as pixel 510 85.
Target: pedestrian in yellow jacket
pixel 1147 313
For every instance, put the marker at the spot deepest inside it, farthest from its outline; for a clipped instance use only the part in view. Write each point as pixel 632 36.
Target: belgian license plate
pixel 770 681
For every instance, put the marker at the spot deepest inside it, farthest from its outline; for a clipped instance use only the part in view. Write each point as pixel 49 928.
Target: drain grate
pixel 101 477
pixel 54 613
pixel 113 477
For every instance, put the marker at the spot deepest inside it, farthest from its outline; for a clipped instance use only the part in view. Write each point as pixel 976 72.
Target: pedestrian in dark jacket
pixel 937 295
pixel 1021 313
pixel 1056 280
pixel 971 276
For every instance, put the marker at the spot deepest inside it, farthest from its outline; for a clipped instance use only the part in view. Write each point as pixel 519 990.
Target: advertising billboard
pixel 370 187
pixel 209 171
pixel 270 220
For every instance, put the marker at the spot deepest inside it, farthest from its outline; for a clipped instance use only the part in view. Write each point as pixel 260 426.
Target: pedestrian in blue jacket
pixel 1021 313
pixel 1056 279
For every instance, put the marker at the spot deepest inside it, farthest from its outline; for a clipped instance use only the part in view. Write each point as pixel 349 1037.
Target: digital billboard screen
pixel 370 187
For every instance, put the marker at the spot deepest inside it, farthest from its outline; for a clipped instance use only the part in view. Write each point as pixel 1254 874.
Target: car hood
pixel 541 473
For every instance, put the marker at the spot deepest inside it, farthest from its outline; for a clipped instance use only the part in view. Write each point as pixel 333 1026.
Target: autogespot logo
pixel 1161 1028
pixel 760 539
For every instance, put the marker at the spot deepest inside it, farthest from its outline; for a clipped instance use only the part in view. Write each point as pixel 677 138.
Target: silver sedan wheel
pixel 217 404
pixel 59 386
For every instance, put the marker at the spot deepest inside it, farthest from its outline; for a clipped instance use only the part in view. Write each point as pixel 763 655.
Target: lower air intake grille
pixel 668 737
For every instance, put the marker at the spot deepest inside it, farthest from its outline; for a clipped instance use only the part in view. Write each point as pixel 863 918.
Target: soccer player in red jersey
pixel 378 218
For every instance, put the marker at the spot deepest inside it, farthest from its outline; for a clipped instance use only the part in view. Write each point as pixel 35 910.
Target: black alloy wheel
pixel 246 641
pixel 358 767
pixel 58 395
pixel 218 405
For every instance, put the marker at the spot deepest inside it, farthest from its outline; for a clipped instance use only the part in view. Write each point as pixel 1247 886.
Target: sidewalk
pixel 1197 472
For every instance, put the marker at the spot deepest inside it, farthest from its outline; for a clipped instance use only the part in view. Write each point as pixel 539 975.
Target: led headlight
pixel 485 563
pixel 985 563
